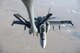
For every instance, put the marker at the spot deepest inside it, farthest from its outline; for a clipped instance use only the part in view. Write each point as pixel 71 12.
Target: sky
pixel 14 39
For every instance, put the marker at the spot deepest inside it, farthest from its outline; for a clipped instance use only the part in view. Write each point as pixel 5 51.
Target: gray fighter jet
pixel 37 26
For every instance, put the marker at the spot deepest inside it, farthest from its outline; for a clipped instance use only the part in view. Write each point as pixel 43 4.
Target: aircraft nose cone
pixel 44 40
pixel 44 44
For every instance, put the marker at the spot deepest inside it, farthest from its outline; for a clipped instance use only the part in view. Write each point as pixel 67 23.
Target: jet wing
pixel 21 21
pixel 17 22
pixel 61 22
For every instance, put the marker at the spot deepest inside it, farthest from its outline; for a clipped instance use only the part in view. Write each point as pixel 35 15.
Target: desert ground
pixel 14 39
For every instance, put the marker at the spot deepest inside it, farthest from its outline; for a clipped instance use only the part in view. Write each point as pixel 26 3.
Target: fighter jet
pixel 41 24
pixel 37 26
